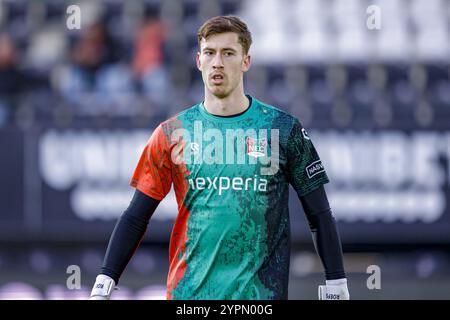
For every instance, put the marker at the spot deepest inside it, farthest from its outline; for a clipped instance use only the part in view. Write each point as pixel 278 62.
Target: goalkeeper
pixel 231 238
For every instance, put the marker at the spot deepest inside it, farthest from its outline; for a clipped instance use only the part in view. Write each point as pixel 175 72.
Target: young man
pixel 230 159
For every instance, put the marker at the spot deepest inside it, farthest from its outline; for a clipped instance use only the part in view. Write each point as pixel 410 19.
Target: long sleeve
pixel 325 233
pixel 127 234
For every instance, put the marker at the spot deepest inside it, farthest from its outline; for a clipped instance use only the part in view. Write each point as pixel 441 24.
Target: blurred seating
pixel 144 51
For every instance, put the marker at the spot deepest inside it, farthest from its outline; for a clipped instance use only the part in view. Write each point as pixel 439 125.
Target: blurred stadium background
pixel 77 106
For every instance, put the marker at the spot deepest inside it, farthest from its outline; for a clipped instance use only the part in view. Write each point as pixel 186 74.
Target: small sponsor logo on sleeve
pixel 305 134
pixel 315 168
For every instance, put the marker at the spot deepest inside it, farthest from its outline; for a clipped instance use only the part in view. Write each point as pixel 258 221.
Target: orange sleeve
pixel 153 173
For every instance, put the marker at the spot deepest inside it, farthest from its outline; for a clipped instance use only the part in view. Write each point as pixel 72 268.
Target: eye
pixel 207 53
pixel 229 53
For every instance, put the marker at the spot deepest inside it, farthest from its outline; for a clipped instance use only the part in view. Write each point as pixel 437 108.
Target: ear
pixel 197 60
pixel 246 63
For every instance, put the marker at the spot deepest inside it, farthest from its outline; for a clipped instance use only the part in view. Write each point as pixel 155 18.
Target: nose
pixel 217 62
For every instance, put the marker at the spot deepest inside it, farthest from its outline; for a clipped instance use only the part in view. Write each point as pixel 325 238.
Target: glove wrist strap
pixel 103 286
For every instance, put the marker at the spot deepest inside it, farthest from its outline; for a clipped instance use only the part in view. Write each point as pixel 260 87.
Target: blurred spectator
pixel 94 49
pixel 13 80
pixel 94 69
pixel 148 53
pixel 147 64
pixel 95 75
pixel 10 77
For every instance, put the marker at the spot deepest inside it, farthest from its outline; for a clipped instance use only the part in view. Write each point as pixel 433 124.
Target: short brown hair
pixel 222 24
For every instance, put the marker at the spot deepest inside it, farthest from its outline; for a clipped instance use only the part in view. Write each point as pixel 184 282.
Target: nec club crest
pixel 256 147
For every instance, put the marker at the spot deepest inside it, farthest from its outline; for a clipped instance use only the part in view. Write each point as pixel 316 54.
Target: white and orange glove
pixel 334 290
pixel 103 288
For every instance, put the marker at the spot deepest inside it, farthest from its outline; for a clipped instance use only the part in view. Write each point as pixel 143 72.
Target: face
pixel 222 62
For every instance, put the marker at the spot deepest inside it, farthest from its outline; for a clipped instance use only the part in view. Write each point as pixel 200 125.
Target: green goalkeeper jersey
pixel 231 176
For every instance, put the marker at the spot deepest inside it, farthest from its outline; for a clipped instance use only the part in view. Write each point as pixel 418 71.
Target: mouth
pixel 217 78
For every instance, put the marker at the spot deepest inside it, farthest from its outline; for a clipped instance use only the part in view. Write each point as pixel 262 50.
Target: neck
pixel 234 103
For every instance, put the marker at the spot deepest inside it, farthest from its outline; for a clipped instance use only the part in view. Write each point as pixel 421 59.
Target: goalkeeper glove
pixel 334 290
pixel 103 288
